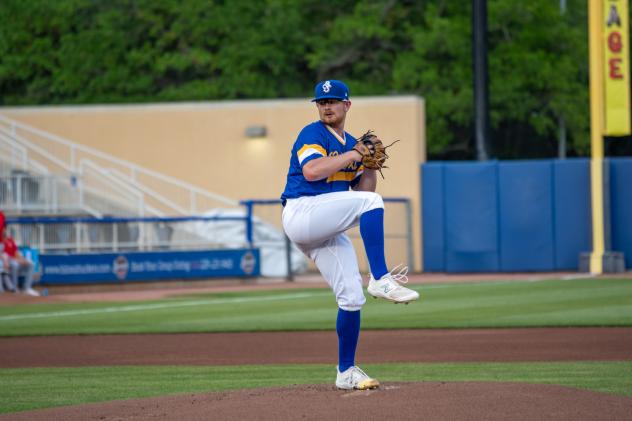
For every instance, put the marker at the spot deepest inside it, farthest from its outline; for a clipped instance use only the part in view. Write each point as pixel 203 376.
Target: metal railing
pixel 102 194
pixel 15 156
pixel 287 243
pixel 21 192
pixel 102 235
pixel 161 194
pixel 92 191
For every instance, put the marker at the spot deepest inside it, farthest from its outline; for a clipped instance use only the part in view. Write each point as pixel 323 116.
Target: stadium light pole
pixel 561 144
pixel 479 62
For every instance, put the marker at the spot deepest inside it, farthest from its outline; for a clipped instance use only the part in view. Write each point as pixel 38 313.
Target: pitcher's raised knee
pixel 372 200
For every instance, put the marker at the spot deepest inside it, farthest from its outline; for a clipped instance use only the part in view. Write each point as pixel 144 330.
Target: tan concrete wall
pixel 205 144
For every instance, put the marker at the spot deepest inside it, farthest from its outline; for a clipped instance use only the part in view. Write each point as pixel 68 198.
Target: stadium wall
pixel 508 216
pixel 205 143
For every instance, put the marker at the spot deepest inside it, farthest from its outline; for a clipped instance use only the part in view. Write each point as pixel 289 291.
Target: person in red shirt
pixel 17 264
pixel 5 282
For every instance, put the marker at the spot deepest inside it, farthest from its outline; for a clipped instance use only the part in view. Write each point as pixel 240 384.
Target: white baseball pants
pixel 317 225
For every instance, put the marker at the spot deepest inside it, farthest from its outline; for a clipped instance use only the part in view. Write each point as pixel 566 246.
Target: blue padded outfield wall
pixel 621 206
pixel 507 216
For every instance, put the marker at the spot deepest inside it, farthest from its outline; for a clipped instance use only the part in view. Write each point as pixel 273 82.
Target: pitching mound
pixel 409 401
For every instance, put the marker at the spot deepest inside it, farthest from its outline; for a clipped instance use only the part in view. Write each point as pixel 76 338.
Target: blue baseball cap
pixel 331 89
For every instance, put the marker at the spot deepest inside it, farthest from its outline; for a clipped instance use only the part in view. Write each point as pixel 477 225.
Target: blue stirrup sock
pixel 372 232
pixel 348 329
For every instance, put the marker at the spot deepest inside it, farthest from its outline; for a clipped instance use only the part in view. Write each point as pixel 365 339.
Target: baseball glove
pixel 373 151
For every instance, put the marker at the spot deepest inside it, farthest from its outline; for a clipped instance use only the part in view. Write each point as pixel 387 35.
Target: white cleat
pixel 389 288
pixel 354 378
pixel 31 292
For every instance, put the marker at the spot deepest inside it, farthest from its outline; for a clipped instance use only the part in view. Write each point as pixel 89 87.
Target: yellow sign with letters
pixel 616 68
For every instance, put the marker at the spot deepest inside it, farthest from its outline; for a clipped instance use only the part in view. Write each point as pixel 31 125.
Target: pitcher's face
pixel 332 111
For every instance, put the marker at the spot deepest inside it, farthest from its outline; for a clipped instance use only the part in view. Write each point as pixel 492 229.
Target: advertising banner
pixel 144 266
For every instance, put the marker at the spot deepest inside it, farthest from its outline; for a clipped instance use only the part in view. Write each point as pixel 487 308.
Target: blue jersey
pixel 315 141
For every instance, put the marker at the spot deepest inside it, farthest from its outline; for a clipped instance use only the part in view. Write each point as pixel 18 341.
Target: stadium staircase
pixel 45 175
pixel 42 173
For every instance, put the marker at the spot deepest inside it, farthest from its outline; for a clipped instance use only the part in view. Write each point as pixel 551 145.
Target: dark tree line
pixel 123 51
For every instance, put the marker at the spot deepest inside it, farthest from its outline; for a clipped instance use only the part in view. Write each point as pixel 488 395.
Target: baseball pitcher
pixel 330 188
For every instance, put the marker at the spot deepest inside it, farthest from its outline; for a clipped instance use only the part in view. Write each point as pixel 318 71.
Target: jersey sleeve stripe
pixel 308 150
pixel 341 176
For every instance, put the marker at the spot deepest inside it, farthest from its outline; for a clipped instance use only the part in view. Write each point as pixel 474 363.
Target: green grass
pixel 33 388
pixel 580 302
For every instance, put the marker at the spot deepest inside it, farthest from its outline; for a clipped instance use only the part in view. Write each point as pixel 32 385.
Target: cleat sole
pixel 394 301
pixel 369 384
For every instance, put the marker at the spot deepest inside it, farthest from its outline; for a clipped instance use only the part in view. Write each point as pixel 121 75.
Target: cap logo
pixel 326 86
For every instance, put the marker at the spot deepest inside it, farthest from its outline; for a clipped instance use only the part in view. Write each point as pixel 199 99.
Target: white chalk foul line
pixel 157 306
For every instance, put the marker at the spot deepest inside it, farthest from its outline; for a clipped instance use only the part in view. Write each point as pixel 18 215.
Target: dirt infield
pixel 404 401
pixel 400 401
pixel 451 345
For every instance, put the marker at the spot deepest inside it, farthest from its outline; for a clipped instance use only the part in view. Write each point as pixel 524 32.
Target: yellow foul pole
pixel 595 36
